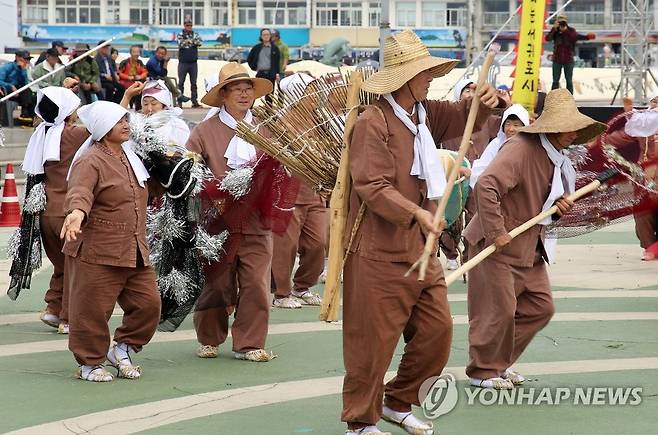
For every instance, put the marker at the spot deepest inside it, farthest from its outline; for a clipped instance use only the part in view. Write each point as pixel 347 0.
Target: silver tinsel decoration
pixel 210 247
pixel 143 132
pixel 237 182
pixel 177 284
pixel 163 223
pixel 35 259
pixel 36 201
pixel 14 243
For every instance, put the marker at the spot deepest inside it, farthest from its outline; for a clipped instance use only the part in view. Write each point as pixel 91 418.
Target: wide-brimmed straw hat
pixel 561 115
pixel 404 57
pixel 234 72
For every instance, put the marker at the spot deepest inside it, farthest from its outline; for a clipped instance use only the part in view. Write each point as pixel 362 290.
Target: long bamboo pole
pixel 470 264
pixel 56 70
pixel 421 263
pixel 339 207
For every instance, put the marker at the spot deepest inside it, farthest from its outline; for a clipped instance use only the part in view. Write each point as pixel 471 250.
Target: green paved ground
pixel 38 388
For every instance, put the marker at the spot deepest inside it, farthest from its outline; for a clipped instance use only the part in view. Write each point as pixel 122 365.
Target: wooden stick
pixel 55 71
pixel 339 207
pixel 470 264
pixel 421 263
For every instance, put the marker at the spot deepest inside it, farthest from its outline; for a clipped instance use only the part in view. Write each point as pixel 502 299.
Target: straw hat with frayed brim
pixel 561 115
pixel 405 56
pixel 233 72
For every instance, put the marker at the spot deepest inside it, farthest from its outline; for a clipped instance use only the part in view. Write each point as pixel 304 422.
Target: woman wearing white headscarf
pixel 47 160
pixel 107 198
pixel 156 98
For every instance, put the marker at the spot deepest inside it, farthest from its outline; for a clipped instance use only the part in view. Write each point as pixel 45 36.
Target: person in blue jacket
pixel 13 76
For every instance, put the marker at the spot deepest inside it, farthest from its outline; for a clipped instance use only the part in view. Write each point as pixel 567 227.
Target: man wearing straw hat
pixel 215 140
pixel 509 295
pixel 396 172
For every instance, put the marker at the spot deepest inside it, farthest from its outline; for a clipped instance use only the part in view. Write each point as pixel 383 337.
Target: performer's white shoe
pixel 372 430
pixel 492 383
pixel 452 264
pixel 307 297
pixel 258 355
pixel 63 328
pixel 94 374
pixel 119 357
pixel 515 377
pixel 288 303
pixel 407 421
pixel 207 351
pixel 49 319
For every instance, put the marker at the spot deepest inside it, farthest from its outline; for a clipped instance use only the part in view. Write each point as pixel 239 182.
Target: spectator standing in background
pixel 13 76
pixel 108 74
pixel 132 70
pixel 188 54
pixel 157 69
pixel 283 50
pixel 265 58
pixel 57 45
pixel 51 63
pixel 564 39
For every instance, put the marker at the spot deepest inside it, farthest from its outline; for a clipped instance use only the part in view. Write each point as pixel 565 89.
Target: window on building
pixel 139 11
pixel 113 15
pixel 175 12
pixel 342 13
pixel 78 11
pixel 219 13
pixel 405 14
pixel 35 11
pixel 284 12
pixel 374 14
pixel 434 14
pixel 247 12
pixel 296 13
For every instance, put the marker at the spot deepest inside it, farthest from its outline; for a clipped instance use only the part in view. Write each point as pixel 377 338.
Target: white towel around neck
pixel 564 176
pixel 426 165
pixel 239 151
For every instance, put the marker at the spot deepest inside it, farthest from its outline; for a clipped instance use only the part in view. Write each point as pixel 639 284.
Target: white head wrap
pixel 287 84
pixel 459 88
pixel 158 90
pixel 99 118
pixel 44 146
pixel 492 149
pixel 210 82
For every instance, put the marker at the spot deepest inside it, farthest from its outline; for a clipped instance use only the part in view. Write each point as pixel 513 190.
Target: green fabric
pixel 568 75
pixel 87 71
pixel 285 53
pixel 56 79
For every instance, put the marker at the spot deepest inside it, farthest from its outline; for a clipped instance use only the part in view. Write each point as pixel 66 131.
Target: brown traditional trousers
pixel 56 297
pixel 380 300
pixel 646 228
pixel 250 272
pixel 96 290
pixel 307 235
pixel 507 306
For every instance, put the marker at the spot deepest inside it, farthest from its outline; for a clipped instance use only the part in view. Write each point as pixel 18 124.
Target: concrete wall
pixel 358 36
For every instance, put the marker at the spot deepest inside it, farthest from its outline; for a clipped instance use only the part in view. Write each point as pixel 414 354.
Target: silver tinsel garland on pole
pixel 237 182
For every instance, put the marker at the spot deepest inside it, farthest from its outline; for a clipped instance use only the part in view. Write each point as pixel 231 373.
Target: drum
pixel 460 191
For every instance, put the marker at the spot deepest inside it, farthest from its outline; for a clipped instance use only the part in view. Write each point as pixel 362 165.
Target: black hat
pixel 59 44
pixel 23 54
pixel 52 52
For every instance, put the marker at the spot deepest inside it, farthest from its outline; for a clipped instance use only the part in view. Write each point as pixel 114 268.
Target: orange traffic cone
pixel 10 211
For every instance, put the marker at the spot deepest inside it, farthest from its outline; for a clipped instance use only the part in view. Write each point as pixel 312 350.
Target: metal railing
pixel 497 19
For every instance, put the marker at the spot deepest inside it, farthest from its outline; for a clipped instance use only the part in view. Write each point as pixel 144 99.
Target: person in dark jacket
pixel 109 76
pixel 564 38
pixel 13 76
pixel 157 69
pixel 265 58
pixel 188 54
pixel 57 45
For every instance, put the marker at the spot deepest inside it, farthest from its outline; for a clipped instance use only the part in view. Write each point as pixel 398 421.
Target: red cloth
pixel 564 44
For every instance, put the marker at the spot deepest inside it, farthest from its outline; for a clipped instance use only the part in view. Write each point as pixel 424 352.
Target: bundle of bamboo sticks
pixel 306 126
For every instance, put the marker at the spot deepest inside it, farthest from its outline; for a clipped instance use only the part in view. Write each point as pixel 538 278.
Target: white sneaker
pixel 288 302
pixel 452 264
pixel 407 421
pixel 49 319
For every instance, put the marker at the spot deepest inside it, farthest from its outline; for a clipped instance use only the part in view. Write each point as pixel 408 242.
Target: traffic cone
pixel 10 211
